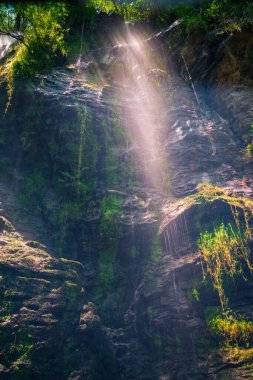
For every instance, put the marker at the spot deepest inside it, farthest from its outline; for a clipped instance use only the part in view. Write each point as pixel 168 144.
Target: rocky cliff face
pixel 133 304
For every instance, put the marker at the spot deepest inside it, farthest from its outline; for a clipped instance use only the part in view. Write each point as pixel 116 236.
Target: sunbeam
pixel 135 67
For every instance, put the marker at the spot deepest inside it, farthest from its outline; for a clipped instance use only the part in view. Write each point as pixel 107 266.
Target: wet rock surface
pixel 134 305
pixel 222 65
pixel 45 329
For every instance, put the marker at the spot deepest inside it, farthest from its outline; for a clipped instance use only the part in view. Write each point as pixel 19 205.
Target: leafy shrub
pixel 42 43
pixel 229 16
pixel 248 152
pixel 235 331
pixel 133 11
pixel 224 251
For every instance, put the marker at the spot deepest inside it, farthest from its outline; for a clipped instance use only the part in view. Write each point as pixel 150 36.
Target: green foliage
pixel 224 252
pixel 76 155
pixel 133 252
pixel 41 29
pixel 251 129
pixel 106 263
pixel 24 351
pixel 16 348
pixel 229 16
pixel 42 41
pixel 109 292
pixel 90 152
pixel 190 13
pixel 111 211
pixel 238 355
pixel 156 249
pixel 207 193
pixel 116 136
pixel 81 13
pixel 156 253
pixel 34 185
pixel 211 312
pixel 232 15
pixel 195 294
pixel 68 211
pixel 248 152
pixel 130 10
pixel 66 214
pixel 150 316
pixel 235 331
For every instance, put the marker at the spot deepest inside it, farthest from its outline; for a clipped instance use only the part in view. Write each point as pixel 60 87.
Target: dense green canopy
pixel 41 28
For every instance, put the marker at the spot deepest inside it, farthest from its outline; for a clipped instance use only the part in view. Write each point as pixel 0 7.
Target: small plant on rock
pixel 235 331
pixel 224 252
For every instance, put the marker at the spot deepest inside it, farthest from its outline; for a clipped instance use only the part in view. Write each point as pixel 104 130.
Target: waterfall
pixel 191 81
pixel 164 31
pixel 81 145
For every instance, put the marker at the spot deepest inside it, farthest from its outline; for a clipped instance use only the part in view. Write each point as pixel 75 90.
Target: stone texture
pixel 140 319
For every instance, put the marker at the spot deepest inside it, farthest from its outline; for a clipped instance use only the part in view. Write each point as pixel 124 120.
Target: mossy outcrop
pixel 44 326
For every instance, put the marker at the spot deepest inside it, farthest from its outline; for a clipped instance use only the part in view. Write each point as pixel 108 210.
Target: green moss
pixel 70 263
pixel 156 252
pixel 133 252
pixel 238 356
pixel 150 315
pixel 248 152
pixel 156 249
pixel 34 187
pixel 69 351
pixel 194 295
pixel 117 170
pixel 207 193
pixel 167 351
pixel 24 352
pixel 8 306
pixel 111 212
pixel 106 264
pixel 178 341
pixel 109 292
pixel 153 335
pixel 17 348
pixel 67 213
pixel 157 342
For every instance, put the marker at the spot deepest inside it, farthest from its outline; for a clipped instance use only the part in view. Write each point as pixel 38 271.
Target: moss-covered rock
pixel 41 299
